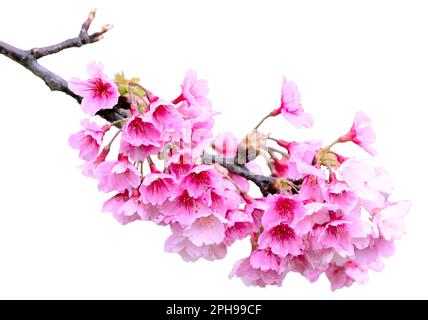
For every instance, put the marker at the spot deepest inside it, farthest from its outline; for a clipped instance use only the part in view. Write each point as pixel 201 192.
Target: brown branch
pixel 82 39
pixel 266 184
pixel 29 60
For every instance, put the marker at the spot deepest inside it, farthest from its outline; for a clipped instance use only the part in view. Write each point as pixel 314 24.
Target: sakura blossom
pixel 282 240
pixel 98 92
pixel 117 175
pixel 88 141
pixel 282 208
pixel 195 91
pixel 291 107
pixel 140 131
pixel 156 188
pixel 200 179
pixel 319 213
pixel 361 133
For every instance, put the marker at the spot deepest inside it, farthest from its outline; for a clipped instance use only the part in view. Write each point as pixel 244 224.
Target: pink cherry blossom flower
pixel 184 208
pixel 313 189
pixel 291 108
pixel 89 167
pixel 319 258
pixel 282 240
pixel 338 278
pixel 156 188
pixel 316 213
pixel 200 179
pixel 126 207
pixel 372 185
pixel 305 265
pixel 282 208
pixel 206 230
pixel 179 161
pixel 122 207
pixel 389 223
pixel 378 248
pixel 336 235
pixel 338 192
pixel 265 260
pixel 301 157
pixel 340 232
pixel 254 276
pixel 345 276
pixel 199 136
pixel 189 252
pixel 194 91
pixel 117 175
pixel 178 243
pixel 361 133
pixel 226 144
pixel 98 92
pixel 240 225
pixel 138 131
pixel 164 115
pixel 223 198
pixel 139 153
pixel 88 141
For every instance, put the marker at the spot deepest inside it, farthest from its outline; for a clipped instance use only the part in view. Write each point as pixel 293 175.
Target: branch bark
pixel 29 60
pixel 266 184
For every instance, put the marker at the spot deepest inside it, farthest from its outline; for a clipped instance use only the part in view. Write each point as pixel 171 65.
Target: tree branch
pixel 266 184
pixel 29 60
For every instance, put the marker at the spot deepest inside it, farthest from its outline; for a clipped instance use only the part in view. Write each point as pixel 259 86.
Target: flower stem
pixel 120 121
pixel 261 121
pixel 152 165
pixel 284 154
pixel 141 168
pixel 114 138
pixel 333 143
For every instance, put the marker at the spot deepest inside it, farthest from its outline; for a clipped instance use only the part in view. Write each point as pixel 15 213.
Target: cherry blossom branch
pixel 29 60
pixel 116 115
pixel 266 184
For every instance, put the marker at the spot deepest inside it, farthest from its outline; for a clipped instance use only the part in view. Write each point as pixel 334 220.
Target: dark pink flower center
pixel 87 140
pixel 285 208
pixel 162 113
pixel 216 199
pixel 99 87
pixel 201 178
pixel 186 201
pixel 339 232
pixel 283 232
pixel 136 127
pixel 180 169
pixel 335 215
pixel 158 186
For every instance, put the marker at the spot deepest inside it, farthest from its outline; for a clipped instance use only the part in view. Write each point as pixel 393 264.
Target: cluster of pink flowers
pixel 329 213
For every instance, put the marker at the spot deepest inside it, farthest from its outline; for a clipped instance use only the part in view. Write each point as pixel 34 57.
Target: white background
pixel 344 55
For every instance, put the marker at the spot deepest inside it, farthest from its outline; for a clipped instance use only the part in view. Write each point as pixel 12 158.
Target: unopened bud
pixel 327 158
